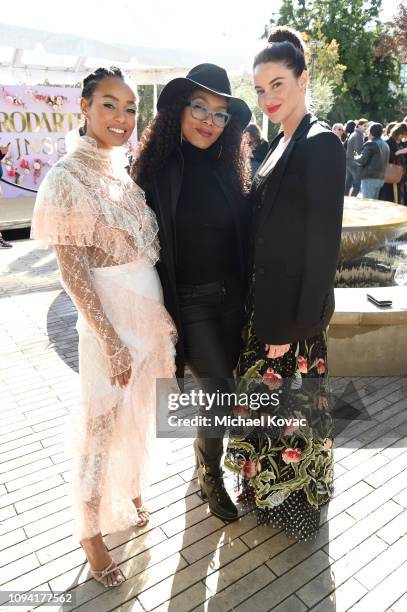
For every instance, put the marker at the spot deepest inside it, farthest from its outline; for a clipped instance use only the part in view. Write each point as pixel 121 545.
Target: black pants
pixel 211 319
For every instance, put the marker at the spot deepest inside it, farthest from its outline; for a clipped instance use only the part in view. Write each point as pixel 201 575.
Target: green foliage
pixel 327 59
pixel 327 73
pixel 323 97
pixel 145 108
pixel 365 77
pixel 242 87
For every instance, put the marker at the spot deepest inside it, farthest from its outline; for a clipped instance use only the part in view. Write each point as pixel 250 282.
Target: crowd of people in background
pixel 371 150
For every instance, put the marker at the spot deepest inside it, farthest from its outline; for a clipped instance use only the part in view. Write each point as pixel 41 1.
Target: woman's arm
pixel 74 267
pixel 324 187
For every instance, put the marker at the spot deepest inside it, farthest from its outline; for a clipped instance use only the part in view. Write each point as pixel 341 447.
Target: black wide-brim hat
pixel 211 78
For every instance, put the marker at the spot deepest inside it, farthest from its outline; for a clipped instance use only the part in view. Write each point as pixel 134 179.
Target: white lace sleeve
pixel 74 267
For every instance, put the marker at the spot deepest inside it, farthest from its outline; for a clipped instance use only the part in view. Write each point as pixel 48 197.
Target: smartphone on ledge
pixel 377 302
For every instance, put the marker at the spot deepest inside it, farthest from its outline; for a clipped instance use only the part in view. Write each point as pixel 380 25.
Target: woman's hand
pixel 119 364
pixel 273 351
pixel 122 379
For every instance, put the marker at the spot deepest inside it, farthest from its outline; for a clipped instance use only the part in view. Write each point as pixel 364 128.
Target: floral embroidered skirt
pixel 284 465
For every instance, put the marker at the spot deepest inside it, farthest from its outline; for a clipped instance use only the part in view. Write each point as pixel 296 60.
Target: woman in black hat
pixel 194 173
pixel 286 462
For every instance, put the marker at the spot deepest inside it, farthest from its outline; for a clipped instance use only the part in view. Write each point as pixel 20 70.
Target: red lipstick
pixel 273 109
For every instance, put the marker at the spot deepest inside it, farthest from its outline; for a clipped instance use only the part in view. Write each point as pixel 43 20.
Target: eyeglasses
pixel 201 112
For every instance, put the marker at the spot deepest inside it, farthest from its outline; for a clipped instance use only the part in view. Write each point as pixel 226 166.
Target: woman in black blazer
pixel 298 193
pixel 194 174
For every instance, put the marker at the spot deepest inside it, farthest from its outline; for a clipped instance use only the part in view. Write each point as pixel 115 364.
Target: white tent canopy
pixel 30 56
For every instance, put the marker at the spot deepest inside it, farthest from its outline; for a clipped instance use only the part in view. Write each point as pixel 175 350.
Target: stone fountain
pixel 368 224
pixel 365 340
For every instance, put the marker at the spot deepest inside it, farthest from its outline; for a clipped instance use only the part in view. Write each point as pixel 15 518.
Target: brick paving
pixel 185 559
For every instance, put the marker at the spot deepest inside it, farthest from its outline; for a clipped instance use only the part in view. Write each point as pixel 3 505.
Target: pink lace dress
pixel 105 240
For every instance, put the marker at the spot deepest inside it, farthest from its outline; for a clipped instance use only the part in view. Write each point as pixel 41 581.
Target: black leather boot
pixel 213 491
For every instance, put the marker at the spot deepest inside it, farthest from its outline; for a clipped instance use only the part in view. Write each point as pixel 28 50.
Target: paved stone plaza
pixel 185 559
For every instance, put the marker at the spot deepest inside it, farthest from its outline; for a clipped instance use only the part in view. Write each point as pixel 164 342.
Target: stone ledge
pixel 364 340
pixel 353 308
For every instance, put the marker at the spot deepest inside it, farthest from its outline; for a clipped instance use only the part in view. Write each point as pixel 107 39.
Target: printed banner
pixel 34 122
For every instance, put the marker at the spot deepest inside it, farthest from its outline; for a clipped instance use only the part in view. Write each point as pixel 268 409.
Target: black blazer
pixel 297 236
pixel 162 195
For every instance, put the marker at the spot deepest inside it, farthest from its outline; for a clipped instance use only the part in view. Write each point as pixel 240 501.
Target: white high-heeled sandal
pixel 142 510
pixel 99 575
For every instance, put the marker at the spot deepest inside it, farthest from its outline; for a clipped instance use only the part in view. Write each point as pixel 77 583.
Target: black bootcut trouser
pixel 212 319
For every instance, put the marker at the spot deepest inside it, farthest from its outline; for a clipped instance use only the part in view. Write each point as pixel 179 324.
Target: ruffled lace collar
pixel 117 156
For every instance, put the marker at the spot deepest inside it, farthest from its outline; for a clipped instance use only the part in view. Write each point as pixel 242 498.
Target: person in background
pixel 354 147
pixel 339 131
pixel 403 182
pixel 258 145
pixel 388 129
pixel 373 161
pixel 4 244
pixel 391 192
pixel 3 152
pixel 349 129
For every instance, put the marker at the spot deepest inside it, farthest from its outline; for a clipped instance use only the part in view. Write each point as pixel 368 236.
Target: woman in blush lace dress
pixel 105 240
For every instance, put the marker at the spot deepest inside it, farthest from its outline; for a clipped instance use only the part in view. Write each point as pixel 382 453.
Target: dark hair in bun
pixel 91 82
pixel 286 46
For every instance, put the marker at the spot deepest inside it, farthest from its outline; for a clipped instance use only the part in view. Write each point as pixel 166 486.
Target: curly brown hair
pixel 163 135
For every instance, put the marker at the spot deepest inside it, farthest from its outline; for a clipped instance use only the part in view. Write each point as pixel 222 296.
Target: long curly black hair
pixel 163 136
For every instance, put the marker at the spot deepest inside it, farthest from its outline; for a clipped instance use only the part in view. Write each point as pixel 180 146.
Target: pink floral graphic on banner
pixel 35 123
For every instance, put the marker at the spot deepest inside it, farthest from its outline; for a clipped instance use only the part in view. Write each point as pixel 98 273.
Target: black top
pixel 394 147
pixel 162 194
pixel 261 151
pixel 205 230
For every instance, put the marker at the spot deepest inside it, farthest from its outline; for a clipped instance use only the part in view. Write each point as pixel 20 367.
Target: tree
pixel 242 87
pixel 372 77
pixel 394 35
pixel 327 80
